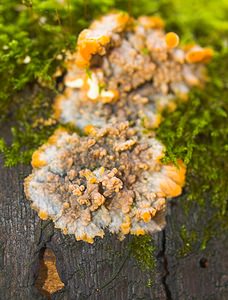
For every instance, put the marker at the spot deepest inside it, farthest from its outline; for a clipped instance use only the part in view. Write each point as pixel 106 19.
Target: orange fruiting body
pixel 37 162
pixel 43 215
pixel 172 39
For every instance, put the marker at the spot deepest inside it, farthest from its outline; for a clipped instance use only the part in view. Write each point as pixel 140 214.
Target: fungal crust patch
pixel 123 74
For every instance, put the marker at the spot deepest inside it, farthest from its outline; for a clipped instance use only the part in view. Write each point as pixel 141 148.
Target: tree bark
pixel 104 270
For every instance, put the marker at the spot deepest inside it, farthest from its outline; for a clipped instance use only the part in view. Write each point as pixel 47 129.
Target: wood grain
pixel 101 271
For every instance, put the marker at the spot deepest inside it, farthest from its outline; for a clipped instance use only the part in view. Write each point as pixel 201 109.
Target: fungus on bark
pixel 123 74
pixel 136 73
pixel 111 179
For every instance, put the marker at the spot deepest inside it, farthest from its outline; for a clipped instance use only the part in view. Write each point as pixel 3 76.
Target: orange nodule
pixel 89 47
pixel 208 53
pixel 43 215
pixel 175 179
pixel 52 139
pixel 139 231
pixel 176 173
pixel 104 40
pixel 172 39
pixel 66 205
pixel 87 239
pixel 109 96
pixel 122 20
pixel 36 161
pixel 170 188
pixel 194 56
pixel 125 228
pixel 92 180
pixel 80 61
pixel 89 129
pixel 146 216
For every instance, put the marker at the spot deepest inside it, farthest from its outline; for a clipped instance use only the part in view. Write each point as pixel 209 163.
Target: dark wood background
pixel 103 270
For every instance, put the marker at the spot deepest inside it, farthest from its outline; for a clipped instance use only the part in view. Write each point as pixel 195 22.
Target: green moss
pixel 189 239
pixel 34 123
pixel 142 249
pixel 197 133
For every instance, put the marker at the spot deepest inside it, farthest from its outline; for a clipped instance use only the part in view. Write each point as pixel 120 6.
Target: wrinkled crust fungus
pixel 111 179
pixel 123 74
pixel 128 70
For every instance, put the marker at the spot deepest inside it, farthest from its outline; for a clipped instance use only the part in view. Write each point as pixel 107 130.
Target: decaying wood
pixel 48 280
pixel 103 270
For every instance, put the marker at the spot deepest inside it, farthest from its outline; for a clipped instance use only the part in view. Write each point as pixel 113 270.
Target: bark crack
pixel 166 269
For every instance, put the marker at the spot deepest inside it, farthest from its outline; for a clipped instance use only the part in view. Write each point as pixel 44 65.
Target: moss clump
pixel 189 239
pixel 197 133
pixel 142 249
pixel 34 123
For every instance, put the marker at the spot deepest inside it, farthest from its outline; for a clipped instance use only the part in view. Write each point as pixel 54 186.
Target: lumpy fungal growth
pixel 126 69
pixel 122 75
pixel 111 179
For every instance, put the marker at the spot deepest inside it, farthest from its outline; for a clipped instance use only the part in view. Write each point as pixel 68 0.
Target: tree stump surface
pixel 104 270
